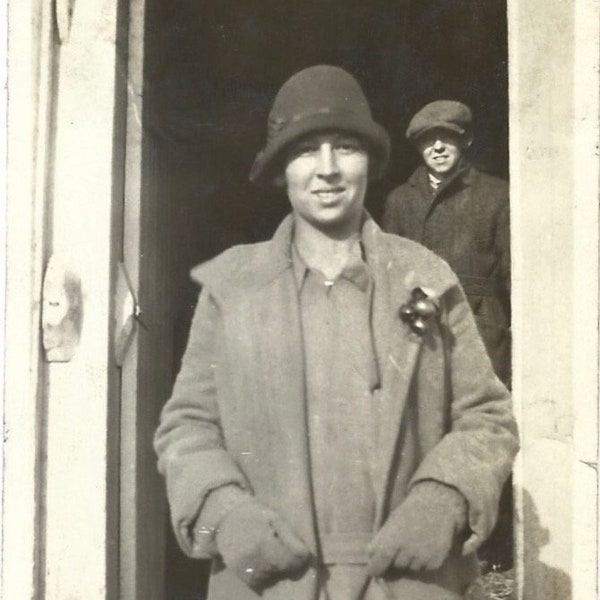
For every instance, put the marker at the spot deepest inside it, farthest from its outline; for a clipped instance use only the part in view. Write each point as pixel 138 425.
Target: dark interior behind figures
pixel 212 70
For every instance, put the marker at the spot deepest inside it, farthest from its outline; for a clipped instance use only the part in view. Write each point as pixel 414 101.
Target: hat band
pixel 278 124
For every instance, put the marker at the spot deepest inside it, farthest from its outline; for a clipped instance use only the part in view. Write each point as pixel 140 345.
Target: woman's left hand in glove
pixel 420 532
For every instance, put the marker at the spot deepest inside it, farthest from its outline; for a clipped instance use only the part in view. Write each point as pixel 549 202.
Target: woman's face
pixel 326 177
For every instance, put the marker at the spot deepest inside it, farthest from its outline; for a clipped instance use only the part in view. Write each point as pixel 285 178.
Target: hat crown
pixel 441 114
pixel 321 89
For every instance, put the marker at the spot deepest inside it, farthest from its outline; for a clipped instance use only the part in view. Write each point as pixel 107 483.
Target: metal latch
pixel 127 314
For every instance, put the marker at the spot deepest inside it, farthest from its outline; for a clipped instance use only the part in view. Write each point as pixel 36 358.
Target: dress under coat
pixel 466 221
pixel 238 415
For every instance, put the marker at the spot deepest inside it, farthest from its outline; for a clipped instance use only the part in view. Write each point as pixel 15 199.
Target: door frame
pixel 540 262
pixel 60 493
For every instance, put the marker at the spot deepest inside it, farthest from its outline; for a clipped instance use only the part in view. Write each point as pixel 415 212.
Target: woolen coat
pixel 466 222
pixel 238 415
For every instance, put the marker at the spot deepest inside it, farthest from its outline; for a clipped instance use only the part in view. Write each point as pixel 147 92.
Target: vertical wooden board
pixel 30 60
pixel 145 372
pixel 81 393
pixel 586 307
pixel 554 238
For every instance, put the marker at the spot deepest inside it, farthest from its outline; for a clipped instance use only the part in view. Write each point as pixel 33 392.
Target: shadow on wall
pixel 541 581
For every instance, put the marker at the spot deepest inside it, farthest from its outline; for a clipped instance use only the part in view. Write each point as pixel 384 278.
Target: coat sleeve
pixel 189 440
pixel 477 453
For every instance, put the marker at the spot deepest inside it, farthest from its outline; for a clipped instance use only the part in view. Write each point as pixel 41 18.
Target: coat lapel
pixel 397 349
pixel 279 358
pixel 278 334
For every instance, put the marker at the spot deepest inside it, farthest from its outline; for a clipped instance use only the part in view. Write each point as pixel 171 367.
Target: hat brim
pixel 414 136
pixel 269 161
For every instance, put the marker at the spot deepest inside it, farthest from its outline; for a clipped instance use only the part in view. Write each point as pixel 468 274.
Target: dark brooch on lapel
pixel 420 310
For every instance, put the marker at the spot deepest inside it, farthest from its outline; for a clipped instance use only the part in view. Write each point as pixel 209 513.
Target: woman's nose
pixel 438 145
pixel 327 161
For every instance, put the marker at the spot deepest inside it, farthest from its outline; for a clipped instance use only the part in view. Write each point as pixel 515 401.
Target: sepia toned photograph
pixel 302 300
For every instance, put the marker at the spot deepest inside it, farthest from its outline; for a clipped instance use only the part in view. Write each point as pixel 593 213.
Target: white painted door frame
pixel 30 68
pixel 554 173
pixel 61 419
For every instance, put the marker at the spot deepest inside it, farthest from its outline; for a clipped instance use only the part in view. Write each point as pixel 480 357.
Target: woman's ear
pixel 467 141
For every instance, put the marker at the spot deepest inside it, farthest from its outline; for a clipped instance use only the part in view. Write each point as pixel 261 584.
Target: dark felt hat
pixel 316 99
pixel 441 114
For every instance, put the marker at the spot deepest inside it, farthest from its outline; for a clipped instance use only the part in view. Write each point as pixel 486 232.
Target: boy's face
pixel 326 178
pixel 441 150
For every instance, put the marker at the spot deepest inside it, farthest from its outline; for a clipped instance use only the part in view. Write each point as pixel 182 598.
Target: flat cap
pixel 441 114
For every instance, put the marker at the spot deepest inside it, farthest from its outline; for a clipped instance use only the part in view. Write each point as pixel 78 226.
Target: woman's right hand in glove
pixel 259 546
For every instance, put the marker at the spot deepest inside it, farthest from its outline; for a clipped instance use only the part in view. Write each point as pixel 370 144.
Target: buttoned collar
pixel 356 270
pixel 274 257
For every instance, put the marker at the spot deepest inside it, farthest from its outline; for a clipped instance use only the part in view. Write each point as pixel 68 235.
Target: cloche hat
pixel 316 99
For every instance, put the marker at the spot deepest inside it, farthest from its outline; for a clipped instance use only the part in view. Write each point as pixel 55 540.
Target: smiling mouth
pixel 329 192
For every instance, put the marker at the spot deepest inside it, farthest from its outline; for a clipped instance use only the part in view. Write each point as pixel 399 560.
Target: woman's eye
pixel 348 147
pixel 308 149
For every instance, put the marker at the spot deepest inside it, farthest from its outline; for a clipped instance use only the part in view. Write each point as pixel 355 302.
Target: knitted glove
pixel 420 532
pixel 259 546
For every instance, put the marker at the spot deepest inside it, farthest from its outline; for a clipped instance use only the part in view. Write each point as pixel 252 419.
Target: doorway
pixel 212 69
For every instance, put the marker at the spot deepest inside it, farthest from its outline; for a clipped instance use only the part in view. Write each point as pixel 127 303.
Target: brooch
pixel 419 310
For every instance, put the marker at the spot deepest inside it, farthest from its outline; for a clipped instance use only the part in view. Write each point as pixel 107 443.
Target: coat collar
pixel 394 270
pixel 279 256
pixel 465 175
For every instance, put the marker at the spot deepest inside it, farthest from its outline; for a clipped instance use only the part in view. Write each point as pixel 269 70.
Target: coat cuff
pixel 189 482
pixel 454 462
pixel 454 502
pixel 217 505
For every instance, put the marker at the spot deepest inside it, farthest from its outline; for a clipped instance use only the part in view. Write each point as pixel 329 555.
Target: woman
pixel 336 430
